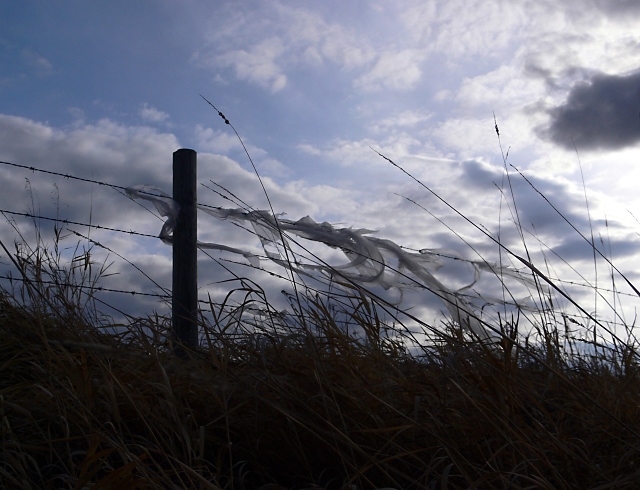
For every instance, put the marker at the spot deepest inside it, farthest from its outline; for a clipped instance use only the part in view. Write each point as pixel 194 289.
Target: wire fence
pixel 62 223
pixel 12 277
pixel 165 295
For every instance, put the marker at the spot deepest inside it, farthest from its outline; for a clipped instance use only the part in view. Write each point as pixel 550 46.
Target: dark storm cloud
pixel 538 217
pixel 600 114
pixel 575 247
pixel 619 8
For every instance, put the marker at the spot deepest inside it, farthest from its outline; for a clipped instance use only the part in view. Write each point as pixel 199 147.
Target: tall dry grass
pixel 301 403
pixel 332 395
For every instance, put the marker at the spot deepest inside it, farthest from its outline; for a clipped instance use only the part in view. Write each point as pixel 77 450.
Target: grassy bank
pixel 337 393
pixel 314 407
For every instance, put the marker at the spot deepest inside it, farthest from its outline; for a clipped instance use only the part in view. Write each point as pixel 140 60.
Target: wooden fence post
pixel 185 265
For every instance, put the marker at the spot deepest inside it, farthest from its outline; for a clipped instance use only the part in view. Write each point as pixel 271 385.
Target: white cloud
pixel 362 153
pixel 395 70
pixel 309 149
pixel 502 89
pixel 469 137
pixel 216 141
pixel 604 170
pixel 351 152
pixel 463 28
pixel 257 64
pixel 405 119
pixel 273 168
pixel 151 114
pixel 77 114
pixel 442 95
pixel 320 41
pixel 225 142
pixel 262 45
pixel 42 66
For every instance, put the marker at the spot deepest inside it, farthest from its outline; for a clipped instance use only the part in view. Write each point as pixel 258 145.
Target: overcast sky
pixel 107 90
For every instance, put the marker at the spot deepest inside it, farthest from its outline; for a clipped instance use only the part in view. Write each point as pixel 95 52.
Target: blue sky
pixel 108 90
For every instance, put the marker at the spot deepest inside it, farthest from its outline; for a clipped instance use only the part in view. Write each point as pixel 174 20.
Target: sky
pixel 108 90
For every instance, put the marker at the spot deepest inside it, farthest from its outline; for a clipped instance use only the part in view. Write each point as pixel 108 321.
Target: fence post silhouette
pixel 185 265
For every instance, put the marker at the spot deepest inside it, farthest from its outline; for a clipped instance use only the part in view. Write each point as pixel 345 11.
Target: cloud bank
pixel 602 113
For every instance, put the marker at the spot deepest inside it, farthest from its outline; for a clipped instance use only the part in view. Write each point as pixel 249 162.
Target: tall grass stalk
pixel 337 393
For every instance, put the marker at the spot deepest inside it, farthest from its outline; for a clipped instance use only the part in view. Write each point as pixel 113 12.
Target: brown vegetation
pixel 310 408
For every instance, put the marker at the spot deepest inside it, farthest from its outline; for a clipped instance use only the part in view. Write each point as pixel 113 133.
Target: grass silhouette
pixel 332 394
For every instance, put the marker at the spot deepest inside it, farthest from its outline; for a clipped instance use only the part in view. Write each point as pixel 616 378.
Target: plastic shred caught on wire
pixel 369 258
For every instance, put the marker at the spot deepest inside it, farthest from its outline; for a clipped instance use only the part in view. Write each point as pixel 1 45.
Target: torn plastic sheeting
pixel 163 202
pixel 167 207
pixel 253 259
pixel 369 257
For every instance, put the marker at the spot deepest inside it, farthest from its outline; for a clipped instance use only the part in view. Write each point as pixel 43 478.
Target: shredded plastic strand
pixel 369 258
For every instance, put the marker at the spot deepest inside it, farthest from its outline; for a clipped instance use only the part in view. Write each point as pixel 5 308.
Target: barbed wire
pixel 92 181
pixel 81 286
pixel 69 222
pixel 238 263
pixel 59 174
pixel 89 289
pixel 130 232
pixel 122 190
pixel 146 235
pixel 107 228
pixel 564 281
